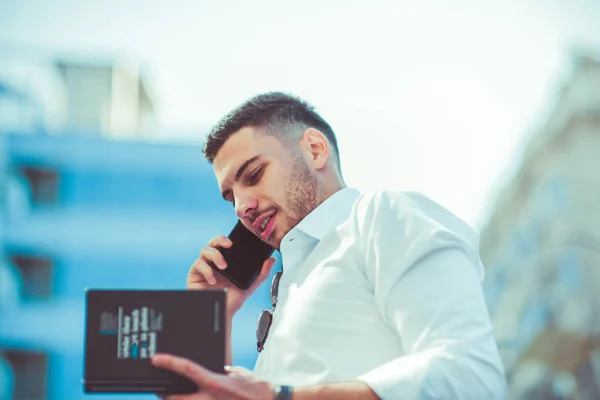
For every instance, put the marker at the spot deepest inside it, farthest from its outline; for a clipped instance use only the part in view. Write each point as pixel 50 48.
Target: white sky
pixel 435 96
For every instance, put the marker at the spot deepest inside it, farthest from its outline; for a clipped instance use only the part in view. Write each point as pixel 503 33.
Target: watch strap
pixel 283 392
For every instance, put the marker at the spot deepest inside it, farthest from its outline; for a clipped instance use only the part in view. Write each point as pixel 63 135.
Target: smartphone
pixel 245 257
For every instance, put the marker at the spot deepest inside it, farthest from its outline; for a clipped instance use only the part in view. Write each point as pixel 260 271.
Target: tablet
pixel 125 328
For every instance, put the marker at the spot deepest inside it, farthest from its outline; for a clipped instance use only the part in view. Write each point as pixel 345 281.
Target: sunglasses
pixel 266 317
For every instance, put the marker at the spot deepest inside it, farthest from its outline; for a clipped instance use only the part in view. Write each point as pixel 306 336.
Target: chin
pixel 275 240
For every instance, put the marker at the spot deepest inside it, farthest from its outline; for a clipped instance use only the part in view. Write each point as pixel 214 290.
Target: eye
pixel 254 177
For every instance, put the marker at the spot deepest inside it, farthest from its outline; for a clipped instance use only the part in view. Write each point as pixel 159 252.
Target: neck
pixel 328 190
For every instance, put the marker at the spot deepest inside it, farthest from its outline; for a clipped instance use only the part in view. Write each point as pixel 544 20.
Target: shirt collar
pixel 332 212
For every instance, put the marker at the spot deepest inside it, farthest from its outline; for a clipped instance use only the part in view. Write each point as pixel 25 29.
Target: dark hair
pixel 280 114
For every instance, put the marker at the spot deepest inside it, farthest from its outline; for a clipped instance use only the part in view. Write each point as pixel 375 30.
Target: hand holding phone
pixel 240 263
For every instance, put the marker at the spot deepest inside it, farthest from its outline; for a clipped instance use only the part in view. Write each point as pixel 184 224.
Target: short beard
pixel 301 192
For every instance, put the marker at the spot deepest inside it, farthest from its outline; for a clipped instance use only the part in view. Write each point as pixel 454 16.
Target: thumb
pixel 231 369
pixel 265 272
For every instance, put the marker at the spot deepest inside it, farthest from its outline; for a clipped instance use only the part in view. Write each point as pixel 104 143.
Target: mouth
pixel 265 225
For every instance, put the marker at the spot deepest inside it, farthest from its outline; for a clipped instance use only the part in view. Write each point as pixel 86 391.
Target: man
pixel 380 295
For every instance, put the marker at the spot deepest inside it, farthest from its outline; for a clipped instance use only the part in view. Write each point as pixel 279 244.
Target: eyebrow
pixel 239 174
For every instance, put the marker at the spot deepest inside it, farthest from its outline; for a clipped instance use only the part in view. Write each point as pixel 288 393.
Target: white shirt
pixel 384 288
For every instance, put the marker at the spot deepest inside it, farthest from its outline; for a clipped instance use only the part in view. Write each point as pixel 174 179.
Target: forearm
pixel 334 391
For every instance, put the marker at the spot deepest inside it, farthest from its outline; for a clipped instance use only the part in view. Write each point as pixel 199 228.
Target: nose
pixel 245 206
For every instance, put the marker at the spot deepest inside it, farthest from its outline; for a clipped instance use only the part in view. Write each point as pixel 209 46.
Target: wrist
pixel 282 392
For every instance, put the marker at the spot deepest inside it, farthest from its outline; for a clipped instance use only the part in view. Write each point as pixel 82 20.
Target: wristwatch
pixel 283 392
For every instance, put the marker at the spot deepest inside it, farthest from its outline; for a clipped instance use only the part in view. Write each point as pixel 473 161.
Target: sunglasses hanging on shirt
pixel 266 317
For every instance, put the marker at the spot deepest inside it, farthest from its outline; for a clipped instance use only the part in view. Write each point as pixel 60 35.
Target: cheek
pixel 273 186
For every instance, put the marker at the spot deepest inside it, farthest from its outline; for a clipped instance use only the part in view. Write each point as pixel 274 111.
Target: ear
pixel 316 146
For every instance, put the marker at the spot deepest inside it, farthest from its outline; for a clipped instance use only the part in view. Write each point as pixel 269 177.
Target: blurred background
pixel 491 108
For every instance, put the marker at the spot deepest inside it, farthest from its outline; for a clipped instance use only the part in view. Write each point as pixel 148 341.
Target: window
pixel 533 319
pixel 29 373
pixel 43 184
pixel 569 273
pixel 36 276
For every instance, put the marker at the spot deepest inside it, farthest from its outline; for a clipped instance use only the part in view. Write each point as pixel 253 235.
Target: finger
pixel 201 268
pixel 237 371
pixel 184 367
pixel 265 272
pixel 194 396
pixel 220 241
pixel 211 254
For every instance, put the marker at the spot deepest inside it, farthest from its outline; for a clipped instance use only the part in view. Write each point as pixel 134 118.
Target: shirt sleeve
pixel 424 265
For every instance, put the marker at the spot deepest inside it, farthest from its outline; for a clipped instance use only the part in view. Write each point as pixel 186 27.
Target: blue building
pixel 88 212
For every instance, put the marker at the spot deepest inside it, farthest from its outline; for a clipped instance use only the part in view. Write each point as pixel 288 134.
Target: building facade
pixel 89 200
pixel 90 212
pixel 542 252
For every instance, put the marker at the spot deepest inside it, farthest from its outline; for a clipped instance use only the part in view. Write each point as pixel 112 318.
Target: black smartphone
pixel 245 257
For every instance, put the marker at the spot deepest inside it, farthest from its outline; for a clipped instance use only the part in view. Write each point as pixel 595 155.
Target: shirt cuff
pixel 402 378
